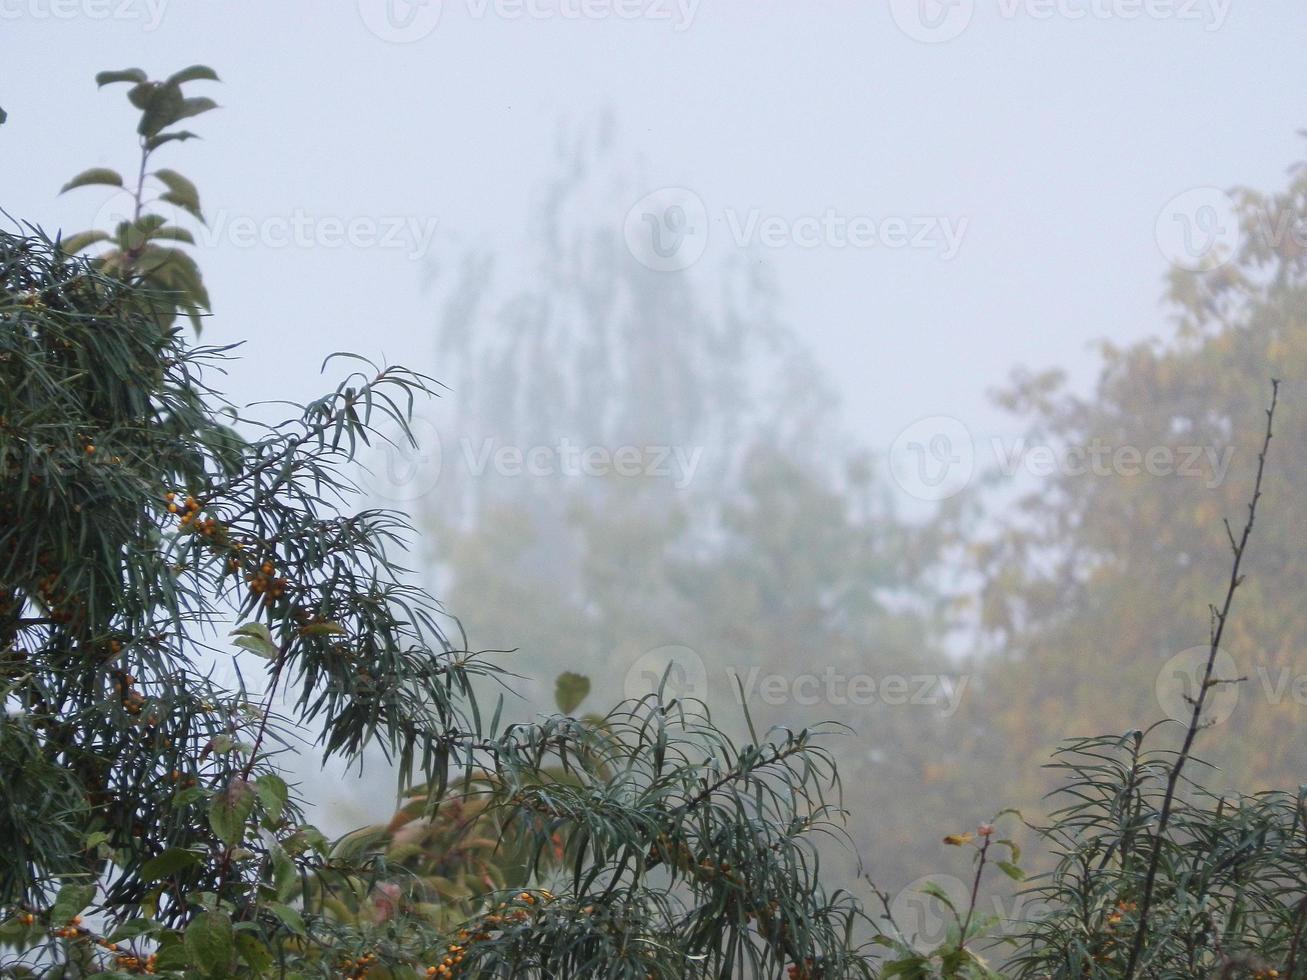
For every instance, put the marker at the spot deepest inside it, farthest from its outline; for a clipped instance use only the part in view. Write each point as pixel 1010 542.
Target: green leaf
pixel 1011 870
pixel 323 629
pixel 96 175
pixel 273 794
pixel 172 233
pixel 140 95
pixel 166 106
pixel 174 269
pixel 194 73
pixel 163 106
pixel 210 944
pixel 154 142
pixel 254 954
pixel 133 928
pixel 289 916
pixel 74 244
pixel 284 875
pixel 570 690
pixel 230 809
pixel 181 192
pixel 169 862
pixel 935 890
pixel 126 75
pixel 72 900
pixel 257 638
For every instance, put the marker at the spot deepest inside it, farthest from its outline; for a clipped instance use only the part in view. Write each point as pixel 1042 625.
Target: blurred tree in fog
pixel 780 554
pixel 1097 585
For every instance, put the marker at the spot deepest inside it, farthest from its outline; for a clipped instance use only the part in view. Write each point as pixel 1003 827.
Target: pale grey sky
pixel 1045 138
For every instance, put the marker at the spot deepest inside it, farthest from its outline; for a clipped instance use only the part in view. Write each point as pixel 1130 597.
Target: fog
pixel 722 293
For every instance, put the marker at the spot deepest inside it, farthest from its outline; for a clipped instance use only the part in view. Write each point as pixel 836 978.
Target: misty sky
pixel 937 211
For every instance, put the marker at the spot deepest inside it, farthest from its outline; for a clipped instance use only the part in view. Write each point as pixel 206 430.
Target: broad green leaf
pixel 140 95
pixel 181 191
pixel 1011 870
pixel 284 875
pixel 173 234
pixel 96 175
pixel 210 943
pixel 289 916
pixel 323 629
pixel 154 142
pixel 570 690
pixel 230 809
pixel 74 244
pixel 72 900
pixel 194 73
pixel 133 928
pixel 126 75
pixel 256 637
pixel 273 794
pixel 254 953
pixel 163 107
pixel 935 890
pixel 167 863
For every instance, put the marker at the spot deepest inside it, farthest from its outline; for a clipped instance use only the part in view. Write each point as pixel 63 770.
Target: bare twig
pixel 1219 618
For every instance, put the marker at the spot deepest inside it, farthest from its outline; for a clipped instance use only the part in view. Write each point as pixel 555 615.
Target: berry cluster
pixel 265 583
pixel 132 700
pixel 261 581
pixel 134 964
pixel 73 930
pixel 357 969
pixel 189 510
pixel 502 915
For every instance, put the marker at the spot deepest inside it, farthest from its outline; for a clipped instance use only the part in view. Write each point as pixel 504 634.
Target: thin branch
pixel 1220 617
